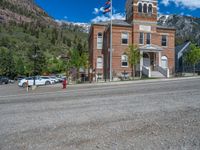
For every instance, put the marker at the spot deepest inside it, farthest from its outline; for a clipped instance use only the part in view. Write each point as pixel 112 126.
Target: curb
pixel 127 82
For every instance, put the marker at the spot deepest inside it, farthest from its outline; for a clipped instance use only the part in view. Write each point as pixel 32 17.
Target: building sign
pixel 145 28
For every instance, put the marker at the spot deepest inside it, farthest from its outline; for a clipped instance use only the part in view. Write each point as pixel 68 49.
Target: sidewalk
pixel 126 82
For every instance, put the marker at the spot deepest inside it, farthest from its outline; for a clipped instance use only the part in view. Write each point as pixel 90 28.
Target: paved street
pixel 162 115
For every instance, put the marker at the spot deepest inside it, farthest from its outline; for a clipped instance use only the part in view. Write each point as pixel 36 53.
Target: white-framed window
pixel 99 40
pixel 124 60
pixel 164 40
pixel 148 38
pixel 150 9
pixel 164 62
pixel 145 8
pixel 140 7
pixel 124 37
pixel 99 62
pixel 141 39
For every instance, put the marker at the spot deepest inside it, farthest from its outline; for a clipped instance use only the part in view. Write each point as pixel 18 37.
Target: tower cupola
pixel 141 10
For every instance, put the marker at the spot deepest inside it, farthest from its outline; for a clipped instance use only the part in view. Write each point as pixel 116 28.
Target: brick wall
pixel 136 20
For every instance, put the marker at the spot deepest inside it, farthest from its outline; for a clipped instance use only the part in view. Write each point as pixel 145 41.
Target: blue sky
pixel 88 10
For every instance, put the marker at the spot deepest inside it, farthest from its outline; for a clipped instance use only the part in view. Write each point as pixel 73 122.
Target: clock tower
pixel 141 11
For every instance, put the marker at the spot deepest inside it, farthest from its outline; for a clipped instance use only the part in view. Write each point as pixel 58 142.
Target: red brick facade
pixel 136 24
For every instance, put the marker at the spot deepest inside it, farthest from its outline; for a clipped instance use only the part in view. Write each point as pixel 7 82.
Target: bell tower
pixel 141 10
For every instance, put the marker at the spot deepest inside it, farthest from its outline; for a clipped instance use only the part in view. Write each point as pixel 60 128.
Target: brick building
pixel 156 43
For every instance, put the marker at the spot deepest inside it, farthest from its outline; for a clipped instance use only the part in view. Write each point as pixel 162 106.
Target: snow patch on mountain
pixel 85 26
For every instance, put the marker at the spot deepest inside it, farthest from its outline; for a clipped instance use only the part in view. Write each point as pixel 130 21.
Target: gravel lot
pixel 163 115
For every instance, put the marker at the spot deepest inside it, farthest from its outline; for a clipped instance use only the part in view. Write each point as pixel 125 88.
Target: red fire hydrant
pixel 64 83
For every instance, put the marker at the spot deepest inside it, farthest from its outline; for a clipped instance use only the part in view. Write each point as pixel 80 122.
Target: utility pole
pixel 111 47
pixel 34 65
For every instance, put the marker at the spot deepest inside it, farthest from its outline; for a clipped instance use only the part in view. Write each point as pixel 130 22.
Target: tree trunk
pixel 193 70
pixel 132 71
pixel 77 74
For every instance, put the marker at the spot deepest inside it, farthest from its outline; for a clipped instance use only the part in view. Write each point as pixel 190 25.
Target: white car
pixel 38 81
pixel 55 79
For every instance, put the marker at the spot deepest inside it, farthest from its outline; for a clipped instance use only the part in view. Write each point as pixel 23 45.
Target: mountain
pixel 23 11
pixel 82 27
pixel 187 27
pixel 26 29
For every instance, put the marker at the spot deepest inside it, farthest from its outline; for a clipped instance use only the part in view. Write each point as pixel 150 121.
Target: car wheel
pixel 47 83
pixel 24 85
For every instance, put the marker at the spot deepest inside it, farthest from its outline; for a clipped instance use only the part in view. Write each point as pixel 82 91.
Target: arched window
pixel 140 7
pixel 124 60
pixel 99 40
pixel 164 62
pixel 145 8
pixel 150 10
pixel 99 62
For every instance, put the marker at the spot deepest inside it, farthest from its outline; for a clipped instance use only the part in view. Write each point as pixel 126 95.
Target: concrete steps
pixel 157 74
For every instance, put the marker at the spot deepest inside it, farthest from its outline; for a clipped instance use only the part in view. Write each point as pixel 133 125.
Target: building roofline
pixel 112 24
pixel 186 45
pixel 165 28
pixel 115 23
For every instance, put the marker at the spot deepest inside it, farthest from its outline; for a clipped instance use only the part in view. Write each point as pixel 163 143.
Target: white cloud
pixel 97 10
pixel 118 16
pixel 165 2
pixel 191 4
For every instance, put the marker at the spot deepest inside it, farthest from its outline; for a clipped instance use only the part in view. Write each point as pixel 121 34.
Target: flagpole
pixel 111 47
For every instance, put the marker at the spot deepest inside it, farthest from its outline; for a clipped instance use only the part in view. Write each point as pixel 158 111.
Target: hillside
pixel 187 28
pixel 23 11
pixel 25 27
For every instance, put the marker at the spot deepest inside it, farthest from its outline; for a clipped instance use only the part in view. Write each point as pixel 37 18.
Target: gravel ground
pixel 142 116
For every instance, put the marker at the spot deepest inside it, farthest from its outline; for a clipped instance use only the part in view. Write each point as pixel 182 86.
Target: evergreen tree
pixel 20 70
pixel 7 65
pixel 37 59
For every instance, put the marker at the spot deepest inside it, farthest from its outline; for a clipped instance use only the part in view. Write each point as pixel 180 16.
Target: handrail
pixel 164 71
pixel 146 71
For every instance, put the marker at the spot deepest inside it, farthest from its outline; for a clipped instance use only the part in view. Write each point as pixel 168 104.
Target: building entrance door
pixel 146 60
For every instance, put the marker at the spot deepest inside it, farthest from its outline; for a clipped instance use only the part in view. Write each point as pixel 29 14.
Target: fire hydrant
pixel 64 83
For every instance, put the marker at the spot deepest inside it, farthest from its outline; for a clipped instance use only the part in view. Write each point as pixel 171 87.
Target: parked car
pixel 38 81
pixel 19 78
pixel 55 79
pixel 4 80
pixel 48 80
pixel 61 77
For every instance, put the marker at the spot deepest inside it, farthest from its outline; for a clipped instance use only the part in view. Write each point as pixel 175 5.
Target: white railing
pixel 164 71
pixel 146 71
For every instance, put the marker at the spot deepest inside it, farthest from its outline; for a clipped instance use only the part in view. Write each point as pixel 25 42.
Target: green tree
pixel 192 57
pixel 55 65
pixel 75 61
pixel 133 57
pixel 20 70
pixel 37 60
pixel 7 65
pixel 78 60
pixel 84 60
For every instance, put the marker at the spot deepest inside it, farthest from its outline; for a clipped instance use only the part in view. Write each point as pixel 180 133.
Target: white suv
pixel 38 81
